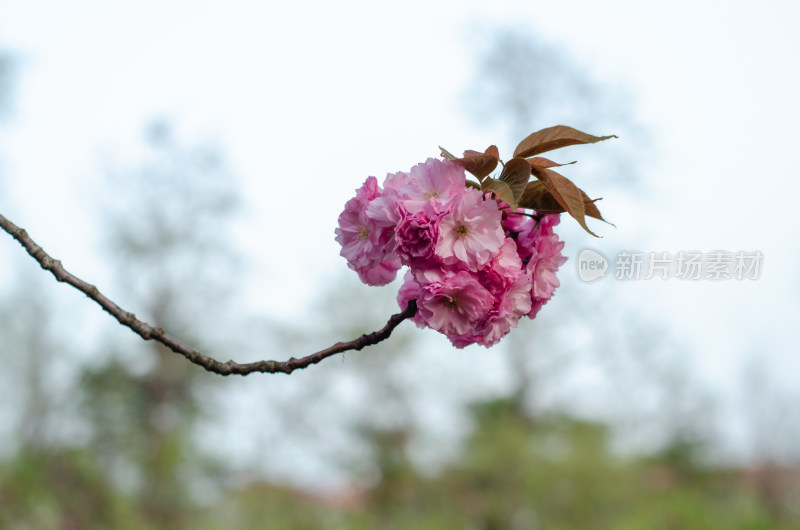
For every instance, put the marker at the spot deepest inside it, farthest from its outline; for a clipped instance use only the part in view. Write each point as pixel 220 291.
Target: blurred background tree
pixel 169 247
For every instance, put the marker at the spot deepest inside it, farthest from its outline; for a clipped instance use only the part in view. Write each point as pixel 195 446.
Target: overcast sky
pixel 317 96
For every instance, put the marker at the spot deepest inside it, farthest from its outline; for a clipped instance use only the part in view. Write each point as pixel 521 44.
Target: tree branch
pixel 148 332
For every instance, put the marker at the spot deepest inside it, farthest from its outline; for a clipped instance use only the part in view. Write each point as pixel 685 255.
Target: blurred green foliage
pixel 555 472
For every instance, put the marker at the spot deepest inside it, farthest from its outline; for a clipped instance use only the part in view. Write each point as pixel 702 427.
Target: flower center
pixel 452 302
pixel 462 231
pixel 363 232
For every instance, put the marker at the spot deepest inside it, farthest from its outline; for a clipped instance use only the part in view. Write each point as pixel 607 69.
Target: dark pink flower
pixel 545 260
pixel 454 303
pixel 410 290
pixel 416 234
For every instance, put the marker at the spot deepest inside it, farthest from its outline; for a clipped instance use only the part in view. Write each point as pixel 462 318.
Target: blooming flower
pixel 366 241
pixel 434 182
pixel 511 304
pixel 505 268
pixel 545 260
pixel 470 234
pixel 410 290
pixel 454 303
pixel 380 274
pixel 416 234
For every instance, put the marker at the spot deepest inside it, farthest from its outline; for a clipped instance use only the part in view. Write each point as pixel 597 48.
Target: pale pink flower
pixel 366 242
pixel 369 190
pixel 394 183
pixel 384 211
pixel 359 235
pixel 470 234
pixel 434 182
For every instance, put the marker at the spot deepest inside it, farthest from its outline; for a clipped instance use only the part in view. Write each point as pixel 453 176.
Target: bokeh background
pixel 191 159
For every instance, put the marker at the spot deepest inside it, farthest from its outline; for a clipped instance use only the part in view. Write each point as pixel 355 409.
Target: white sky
pixel 307 99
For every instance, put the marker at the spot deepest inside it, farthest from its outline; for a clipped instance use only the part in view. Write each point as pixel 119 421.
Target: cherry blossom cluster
pixel 475 266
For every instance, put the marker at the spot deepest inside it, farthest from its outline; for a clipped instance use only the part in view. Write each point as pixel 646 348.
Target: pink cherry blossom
pixel 369 190
pixel 410 290
pixel 455 304
pixel 470 234
pixel 536 305
pixel 380 274
pixel 508 307
pixel 416 234
pixel 434 182
pixel 505 268
pixel 544 265
pixel 366 242
pixel 511 305
pixel 474 269
pixel 545 260
pixel 510 285
pixel 517 221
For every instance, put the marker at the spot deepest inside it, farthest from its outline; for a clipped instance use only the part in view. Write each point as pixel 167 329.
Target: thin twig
pixel 148 332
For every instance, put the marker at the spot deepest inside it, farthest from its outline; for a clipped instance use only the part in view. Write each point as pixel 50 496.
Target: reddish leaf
pixel 554 138
pixel 501 190
pixel 516 173
pixel 536 197
pixel 538 161
pixel 490 151
pixel 567 194
pixel 473 184
pixel 590 208
pixel 479 164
